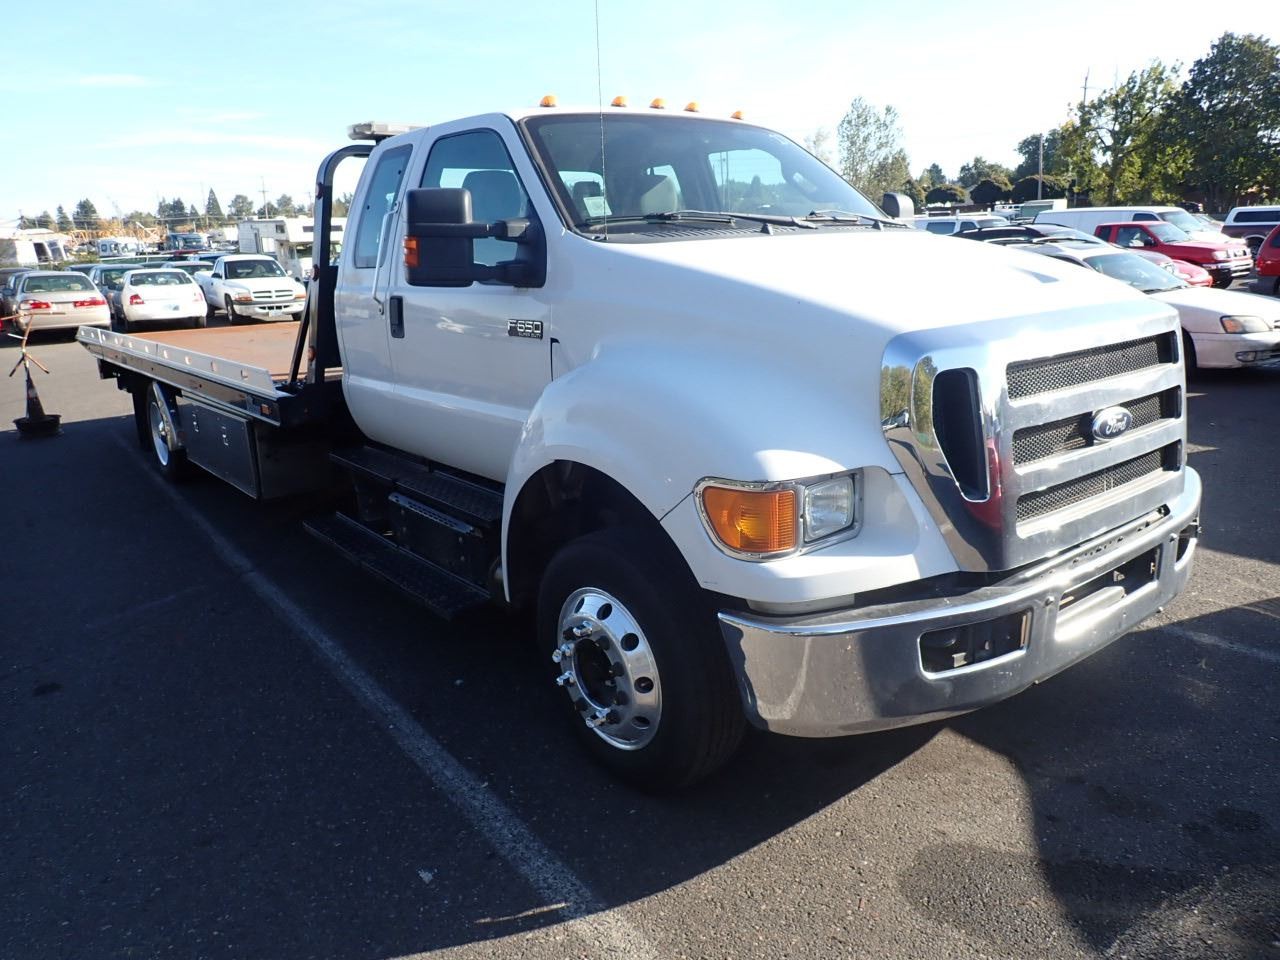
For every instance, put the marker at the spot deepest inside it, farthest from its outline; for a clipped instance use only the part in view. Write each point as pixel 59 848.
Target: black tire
pixel 232 317
pixel 1189 355
pixel 1222 282
pixel 172 464
pixel 699 721
pixel 196 322
pixel 1275 288
pixel 209 311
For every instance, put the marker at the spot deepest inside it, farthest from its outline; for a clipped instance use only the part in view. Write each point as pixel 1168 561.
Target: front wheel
pixel 153 434
pixel 1189 354
pixel 647 681
pixel 231 311
pixel 1222 282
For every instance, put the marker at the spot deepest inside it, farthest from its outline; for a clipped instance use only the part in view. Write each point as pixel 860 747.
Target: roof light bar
pixel 376 130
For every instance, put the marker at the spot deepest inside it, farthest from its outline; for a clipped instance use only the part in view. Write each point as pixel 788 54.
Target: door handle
pixel 397 317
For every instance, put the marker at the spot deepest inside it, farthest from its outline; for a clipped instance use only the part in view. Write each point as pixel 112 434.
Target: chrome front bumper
pixel 855 671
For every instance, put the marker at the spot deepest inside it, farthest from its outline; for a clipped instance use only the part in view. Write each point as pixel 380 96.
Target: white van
pixel 1089 219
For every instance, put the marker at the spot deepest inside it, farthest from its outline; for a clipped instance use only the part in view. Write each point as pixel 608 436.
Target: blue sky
pixel 156 100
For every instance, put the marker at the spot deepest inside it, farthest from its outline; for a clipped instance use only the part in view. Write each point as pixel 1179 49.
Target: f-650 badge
pixel 530 329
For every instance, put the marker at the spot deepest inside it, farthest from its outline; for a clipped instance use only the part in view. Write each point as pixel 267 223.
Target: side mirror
pixel 440 236
pixel 898 205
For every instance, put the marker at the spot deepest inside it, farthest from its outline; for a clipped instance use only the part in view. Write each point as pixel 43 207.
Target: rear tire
pixel 652 695
pixel 1189 355
pixel 209 311
pixel 152 433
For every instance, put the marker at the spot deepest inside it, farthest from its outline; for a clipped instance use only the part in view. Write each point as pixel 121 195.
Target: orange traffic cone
pixel 36 423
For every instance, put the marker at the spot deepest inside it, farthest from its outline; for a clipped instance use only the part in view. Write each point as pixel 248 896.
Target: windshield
pixel 1135 271
pixel 655 165
pixel 72 282
pixel 159 278
pixel 1182 220
pixel 1167 232
pixel 248 269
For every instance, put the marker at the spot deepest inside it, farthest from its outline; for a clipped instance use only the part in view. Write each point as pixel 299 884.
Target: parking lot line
pixel 1207 639
pixel 505 832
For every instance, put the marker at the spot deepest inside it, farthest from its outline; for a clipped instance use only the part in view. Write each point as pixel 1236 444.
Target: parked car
pixel 1220 328
pixel 1251 224
pixel 159 298
pixel 251 287
pixel 9 278
pixel 108 277
pixel 58 300
pixel 1224 261
pixel 947 226
pixel 1028 232
pixel 1188 272
pixel 189 267
pixel 1268 262
pixel 1089 219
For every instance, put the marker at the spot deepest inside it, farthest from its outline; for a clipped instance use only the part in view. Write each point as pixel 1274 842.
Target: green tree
pixel 285 207
pixel 241 207
pixel 45 221
pixel 63 221
pixel 1029 149
pixel 342 205
pixel 991 190
pixel 819 144
pixel 912 188
pixel 932 177
pixel 1051 188
pixel 1228 118
pixel 212 208
pixel 1123 128
pixel 870 148
pixel 948 193
pixel 979 169
pixel 86 214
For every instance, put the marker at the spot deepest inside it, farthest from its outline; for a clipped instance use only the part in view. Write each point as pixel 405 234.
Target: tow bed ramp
pixel 228 389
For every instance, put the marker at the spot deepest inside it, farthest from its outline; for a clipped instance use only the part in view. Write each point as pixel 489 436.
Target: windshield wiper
pixel 847 216
pixel 700 216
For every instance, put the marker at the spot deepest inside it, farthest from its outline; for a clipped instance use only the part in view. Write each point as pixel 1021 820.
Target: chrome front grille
pixel 269 295
pixel 1099 483
pixel 1037 473
pixel 1029 377
pixel 1075 433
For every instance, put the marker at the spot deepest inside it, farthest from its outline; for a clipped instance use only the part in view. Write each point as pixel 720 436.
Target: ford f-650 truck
pixel 751 450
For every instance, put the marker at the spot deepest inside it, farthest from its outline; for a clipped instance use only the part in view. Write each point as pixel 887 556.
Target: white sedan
pixel 160 297
pixel 1220 328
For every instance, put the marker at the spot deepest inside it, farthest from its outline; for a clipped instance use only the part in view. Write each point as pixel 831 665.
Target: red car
pixel 1189 272
pixel 1224 261
pixel 1268 262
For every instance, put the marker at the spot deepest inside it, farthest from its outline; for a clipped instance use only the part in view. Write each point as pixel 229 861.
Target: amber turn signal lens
pixel 411 252
pixel 752 521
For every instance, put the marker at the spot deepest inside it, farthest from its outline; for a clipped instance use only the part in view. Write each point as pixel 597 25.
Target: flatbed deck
pixel 241 368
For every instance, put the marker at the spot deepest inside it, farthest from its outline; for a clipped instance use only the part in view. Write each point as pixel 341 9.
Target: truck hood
pixel 254 284
pixel 893 280
pixel 1202 249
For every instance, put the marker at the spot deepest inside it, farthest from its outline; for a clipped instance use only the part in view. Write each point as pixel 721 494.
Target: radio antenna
pixel 604 189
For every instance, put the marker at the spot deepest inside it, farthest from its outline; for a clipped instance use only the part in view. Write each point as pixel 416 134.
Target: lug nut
pixel 581 630
pixel 564 679
pixel 562 651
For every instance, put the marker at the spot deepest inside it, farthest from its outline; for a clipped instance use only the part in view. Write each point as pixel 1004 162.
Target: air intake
pixel 957 423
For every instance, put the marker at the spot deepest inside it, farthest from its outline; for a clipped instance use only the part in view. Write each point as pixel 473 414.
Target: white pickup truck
pixel 251 287
pixel 752 451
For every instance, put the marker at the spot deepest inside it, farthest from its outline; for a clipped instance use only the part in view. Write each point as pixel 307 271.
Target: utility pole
pixel 1040 178
pixel 266 211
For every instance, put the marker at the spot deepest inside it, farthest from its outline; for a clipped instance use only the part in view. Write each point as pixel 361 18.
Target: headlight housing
pixel 765 521
pixel 1221 255
pixel 1244 325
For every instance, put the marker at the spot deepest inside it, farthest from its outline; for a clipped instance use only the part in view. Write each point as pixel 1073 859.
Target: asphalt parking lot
pixel 222 741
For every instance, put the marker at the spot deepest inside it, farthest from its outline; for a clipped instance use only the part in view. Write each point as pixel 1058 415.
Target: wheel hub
pixel 609 671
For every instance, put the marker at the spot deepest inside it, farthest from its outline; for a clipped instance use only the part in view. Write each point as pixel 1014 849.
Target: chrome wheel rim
pixel 159 434
pixel 608 669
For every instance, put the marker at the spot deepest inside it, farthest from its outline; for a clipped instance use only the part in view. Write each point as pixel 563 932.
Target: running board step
pixel 438 590
pixel 478 505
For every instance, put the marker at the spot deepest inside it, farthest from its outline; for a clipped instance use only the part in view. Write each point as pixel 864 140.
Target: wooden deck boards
pixel 268 346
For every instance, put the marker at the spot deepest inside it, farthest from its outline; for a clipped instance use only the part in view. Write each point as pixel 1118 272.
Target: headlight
pixel 1245 325
pixel 1221 255
pixel 828 508
pixel 763 521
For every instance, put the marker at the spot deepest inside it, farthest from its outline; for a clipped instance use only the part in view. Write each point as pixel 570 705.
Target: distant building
pixel 33 247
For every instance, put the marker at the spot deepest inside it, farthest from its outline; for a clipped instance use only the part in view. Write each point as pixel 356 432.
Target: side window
pixel 381 194
pixel 478 161
pixel 1145 216
pixel 1129 237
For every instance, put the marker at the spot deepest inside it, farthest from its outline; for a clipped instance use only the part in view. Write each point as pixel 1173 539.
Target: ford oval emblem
pixel 1111 423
